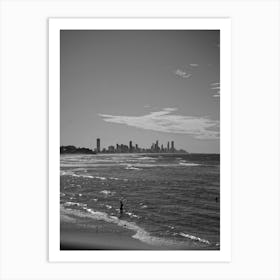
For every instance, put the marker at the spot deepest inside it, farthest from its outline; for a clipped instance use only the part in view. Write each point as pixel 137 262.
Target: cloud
pixel 182 74
pixel 165 121
pixel 194 65
pixel 170 109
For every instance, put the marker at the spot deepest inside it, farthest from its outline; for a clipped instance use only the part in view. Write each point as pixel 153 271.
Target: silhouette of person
pixel 121 207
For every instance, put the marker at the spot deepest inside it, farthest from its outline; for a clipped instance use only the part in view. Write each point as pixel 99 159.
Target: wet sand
pixel 104 237
pixel 97 235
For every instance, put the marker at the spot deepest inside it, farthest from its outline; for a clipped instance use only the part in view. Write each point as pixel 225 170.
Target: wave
pixel 151 165
pixel 99 177
pixel 110 161
pixel 147 158
pixel 90 164
pixel 118 179
pixel 69 203
pixel 130 167
pixel 107 193
pixel 136 164
pixel 195 238
pixel 71 173
pixel 132 215
pixel 189 164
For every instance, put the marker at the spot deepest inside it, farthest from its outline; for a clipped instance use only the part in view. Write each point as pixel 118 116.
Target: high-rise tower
pixel 172 146
pixel 98 145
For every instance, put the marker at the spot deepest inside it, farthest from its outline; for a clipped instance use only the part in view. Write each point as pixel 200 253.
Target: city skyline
pixel 123 148
pixel 155 147
pixel 141 85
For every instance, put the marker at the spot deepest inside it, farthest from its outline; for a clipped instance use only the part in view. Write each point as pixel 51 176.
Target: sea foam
pixel 192 237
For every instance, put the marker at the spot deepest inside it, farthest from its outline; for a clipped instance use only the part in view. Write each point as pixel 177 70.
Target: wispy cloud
pixel 194 65
pixel 165 121
pixel 215 87
pixel 182 74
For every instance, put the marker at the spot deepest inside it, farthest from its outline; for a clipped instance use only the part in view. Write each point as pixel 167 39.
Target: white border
pixel 55 25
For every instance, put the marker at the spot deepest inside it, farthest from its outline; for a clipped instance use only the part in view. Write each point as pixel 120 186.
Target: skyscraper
pixel 130 146
pixel 98 145
pixel 168 146
pixel 172 146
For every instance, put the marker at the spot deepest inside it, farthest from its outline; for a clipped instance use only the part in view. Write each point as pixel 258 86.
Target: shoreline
pixel 97 235
pixel 75 238
pixel 93 234
pixel 86 233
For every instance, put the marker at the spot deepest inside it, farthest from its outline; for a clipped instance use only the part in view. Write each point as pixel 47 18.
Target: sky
pixel 140 85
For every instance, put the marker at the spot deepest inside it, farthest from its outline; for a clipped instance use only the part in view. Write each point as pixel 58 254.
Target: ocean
pixel 169 199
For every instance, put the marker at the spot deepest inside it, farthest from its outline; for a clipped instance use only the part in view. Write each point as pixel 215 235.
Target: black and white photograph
pixel 139 139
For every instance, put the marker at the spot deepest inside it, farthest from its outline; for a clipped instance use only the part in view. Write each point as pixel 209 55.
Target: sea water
pixel 168 198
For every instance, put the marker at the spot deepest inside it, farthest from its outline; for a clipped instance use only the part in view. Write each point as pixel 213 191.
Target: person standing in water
pixel 121 207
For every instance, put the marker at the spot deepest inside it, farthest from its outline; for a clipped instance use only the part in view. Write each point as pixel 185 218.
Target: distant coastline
pixel 74 150
pixel 71 149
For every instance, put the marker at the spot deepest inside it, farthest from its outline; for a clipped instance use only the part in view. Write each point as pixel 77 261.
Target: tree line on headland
pixel 75 150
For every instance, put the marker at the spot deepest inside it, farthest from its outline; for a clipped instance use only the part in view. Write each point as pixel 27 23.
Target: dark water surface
pixel 168 198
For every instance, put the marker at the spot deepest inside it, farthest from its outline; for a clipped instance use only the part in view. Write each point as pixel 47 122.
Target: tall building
pixel 157 144
pixel 168 146
pixel 172 145
pixel 130 146
pixel 111 149
pixel 98 145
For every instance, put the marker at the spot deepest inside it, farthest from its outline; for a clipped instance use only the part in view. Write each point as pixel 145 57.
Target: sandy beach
pixel 96 235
